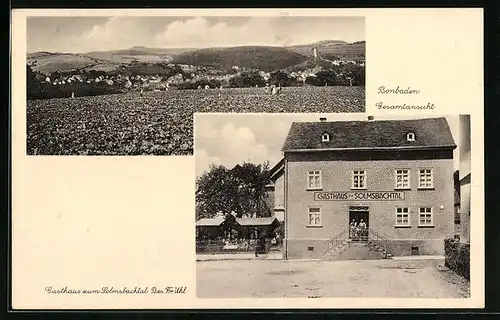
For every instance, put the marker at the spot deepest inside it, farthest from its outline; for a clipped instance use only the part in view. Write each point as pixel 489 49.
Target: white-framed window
pixel 402 179
pixel 314 179
pixel 325 137
pixel 425 217
pixel 425 179
pixel 359 179
pixel 410 136
pixel 314 217
pixel 402 217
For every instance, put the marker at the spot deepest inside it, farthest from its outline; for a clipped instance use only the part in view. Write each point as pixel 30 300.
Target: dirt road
pixel 368 278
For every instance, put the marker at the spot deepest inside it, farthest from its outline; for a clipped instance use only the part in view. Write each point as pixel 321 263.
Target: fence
pixel 221 246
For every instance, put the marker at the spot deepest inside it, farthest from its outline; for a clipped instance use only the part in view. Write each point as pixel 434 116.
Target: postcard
pixel 264 158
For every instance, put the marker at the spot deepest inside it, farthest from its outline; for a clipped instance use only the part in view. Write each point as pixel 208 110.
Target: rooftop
pixel 374 134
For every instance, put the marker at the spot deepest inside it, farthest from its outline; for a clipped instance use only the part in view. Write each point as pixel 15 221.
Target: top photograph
pixel 129 85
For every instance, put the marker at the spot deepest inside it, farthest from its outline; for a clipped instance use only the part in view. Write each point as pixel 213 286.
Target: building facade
pixel 465 177
pixel 275 190
pixel 395 176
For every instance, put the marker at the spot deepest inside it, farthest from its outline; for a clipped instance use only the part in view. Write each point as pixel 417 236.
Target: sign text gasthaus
pixel 359 195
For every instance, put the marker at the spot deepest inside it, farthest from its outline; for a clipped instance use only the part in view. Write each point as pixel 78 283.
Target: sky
pixel 230 139
pixel 85 34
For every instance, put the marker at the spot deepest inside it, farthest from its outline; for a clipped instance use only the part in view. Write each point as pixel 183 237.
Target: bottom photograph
pixel 332 205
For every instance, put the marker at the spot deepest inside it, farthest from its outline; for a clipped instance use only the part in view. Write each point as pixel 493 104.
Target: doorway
pixel 359 231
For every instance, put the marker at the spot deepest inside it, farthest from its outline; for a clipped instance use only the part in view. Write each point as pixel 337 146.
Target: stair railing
pixel 380 240
pixel 336 240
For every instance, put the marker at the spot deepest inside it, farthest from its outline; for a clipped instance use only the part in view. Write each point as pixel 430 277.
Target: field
pixel 49 63
pixel 161 123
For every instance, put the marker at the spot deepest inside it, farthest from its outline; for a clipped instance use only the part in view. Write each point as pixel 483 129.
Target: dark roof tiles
pixel 383 134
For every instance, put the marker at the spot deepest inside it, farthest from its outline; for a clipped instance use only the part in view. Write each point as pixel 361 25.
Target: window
pixel 425 216
pixel 402 179
pixel 410 136
pixel 359 179
pixel 325 137
pixel 425 178
pixel 314 218
pixel 314 179
pixel 402 217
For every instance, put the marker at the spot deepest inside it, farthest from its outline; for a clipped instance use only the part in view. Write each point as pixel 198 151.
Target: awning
pixel 210 222
pixel 251 222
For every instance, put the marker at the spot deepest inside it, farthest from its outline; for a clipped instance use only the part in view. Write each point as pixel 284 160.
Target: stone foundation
pixel 297 249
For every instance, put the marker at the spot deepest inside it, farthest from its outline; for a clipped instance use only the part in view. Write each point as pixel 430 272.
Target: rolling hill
pixel 46 62
pixel 259 57
pixel 332 49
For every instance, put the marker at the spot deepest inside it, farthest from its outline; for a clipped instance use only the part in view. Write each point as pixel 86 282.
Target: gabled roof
pixel 277 170
pixel 210 222
pixel 378 134
pixel 265 221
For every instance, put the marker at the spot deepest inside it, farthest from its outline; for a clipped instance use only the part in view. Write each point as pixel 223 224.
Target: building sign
pixel 359 195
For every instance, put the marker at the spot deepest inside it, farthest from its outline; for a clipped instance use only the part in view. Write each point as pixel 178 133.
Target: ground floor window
pixel 314 217
pixel 402 217
pixel 425 216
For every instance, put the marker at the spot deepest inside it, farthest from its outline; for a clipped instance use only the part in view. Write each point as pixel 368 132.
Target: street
pixel 419 278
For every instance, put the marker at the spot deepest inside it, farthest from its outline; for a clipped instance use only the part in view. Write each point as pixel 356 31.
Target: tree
pixel 247 79
pixel 279 78
pixel 240 190
pixel 32 83
pixel 327 77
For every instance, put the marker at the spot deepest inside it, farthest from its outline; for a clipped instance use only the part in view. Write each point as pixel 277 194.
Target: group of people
pixel 358 231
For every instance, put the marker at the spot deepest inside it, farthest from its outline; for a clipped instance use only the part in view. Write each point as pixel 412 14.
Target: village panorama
pixel 141 101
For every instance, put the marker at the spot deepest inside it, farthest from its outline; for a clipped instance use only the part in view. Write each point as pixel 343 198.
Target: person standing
pixel 352 229
pixel 362 228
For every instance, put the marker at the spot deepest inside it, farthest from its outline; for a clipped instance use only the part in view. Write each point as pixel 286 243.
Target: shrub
pixel 457 257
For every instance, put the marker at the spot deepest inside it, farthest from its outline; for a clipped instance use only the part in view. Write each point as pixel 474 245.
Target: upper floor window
pixel 425 179
pixel 402 179
pixel 359 179
pixel 325 137
pixel 314 179
pixel 410 136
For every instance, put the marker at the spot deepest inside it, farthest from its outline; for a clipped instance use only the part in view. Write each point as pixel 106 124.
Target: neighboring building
pixel 396 175
pixel 276 190
pixel 465 176
pixel 457 213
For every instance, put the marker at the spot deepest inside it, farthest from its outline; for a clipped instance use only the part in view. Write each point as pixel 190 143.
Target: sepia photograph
pixel 332 205
pixel 129 85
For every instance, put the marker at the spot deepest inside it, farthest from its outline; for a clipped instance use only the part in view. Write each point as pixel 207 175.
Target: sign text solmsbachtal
pixel 359 195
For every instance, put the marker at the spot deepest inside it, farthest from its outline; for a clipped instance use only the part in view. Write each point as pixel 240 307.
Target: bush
pixel 457 257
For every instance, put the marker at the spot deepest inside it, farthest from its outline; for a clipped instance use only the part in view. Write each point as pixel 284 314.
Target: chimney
pixel 371 118
pixel 322 119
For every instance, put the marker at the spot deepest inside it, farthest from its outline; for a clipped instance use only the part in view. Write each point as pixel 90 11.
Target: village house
pixel 275 190
pixel 178 78
pixel 395 176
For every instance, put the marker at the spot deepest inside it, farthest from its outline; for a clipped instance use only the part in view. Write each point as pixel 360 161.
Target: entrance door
pixel 359 233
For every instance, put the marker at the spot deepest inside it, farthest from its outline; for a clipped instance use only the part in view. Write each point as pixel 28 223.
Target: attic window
pixel 410 136
pixel 325 137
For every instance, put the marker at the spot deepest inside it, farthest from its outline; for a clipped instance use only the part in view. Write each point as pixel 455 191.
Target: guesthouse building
pixel 393 176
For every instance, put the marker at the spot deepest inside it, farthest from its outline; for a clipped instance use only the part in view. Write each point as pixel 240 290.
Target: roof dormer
pixel 325 137
pixel 410 136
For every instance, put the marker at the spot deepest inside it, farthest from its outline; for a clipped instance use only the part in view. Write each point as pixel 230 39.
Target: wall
pixel 465 176
pixel 279 192
pixel 336 176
